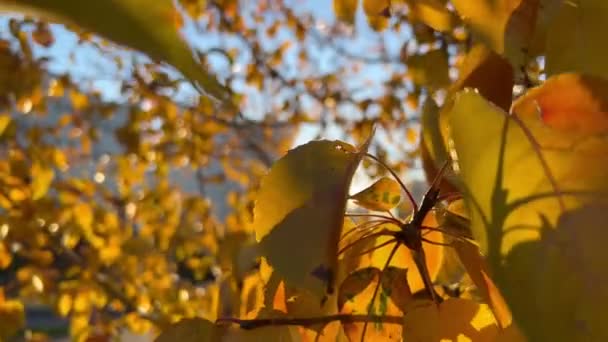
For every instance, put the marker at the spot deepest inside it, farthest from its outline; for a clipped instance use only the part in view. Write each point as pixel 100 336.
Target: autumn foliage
pixel 183 209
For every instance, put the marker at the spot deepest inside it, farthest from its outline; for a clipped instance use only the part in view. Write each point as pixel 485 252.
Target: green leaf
pixel 299 212
pixel 538 206
pixel 383 195
pixel 148 26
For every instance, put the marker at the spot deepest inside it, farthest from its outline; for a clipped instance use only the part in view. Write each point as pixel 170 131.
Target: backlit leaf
pixel 489 73
pixel 12 316
pixel 506 26
pixel 573 103
pixel 433 13
pixel 42 176
pixel 383 195
pixel 5 256
pixel 5 119
pixel 452 320
pixel 455 219
pixel 537 217
pixel 146 26
pixel 575 39
pixel 393 295
pixel 429 69
pixel 403 256
pixel 345 10
pixel 377 13
pixel 301 202
pixel 433 144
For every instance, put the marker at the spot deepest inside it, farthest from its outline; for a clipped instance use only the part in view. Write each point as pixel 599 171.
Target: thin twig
pixel 388 218
pixel 308 321
pixel 385 232
pixel 384 244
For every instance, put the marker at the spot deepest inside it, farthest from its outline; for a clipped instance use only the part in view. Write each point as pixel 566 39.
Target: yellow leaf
pixel 378 13
pixel 345 10
pixel 148 26
pixel 433 13
pixel 311 266
pixel 191 330
pixel 429 69
pixel 5 119
pixel 541 222
pixel 453 320
pixel 109 254
pixel 403 256
pixel 391 298
pixel 42 176
pixel 506 26
pixel 576 40
pixel 301 202
pixel 12 317
pixel 64 304
pixel 487 72
pixel 5 256
pixel 83 214
pixel 17 195
pixel 383 195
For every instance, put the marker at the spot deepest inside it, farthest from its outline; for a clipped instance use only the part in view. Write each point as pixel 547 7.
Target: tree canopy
pixel 210 170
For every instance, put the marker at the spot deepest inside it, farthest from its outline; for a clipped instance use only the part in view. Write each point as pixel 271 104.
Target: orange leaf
pixel 568 102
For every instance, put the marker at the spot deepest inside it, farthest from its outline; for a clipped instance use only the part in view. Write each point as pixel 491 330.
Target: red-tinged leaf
pixel 573 103
pixel 536 193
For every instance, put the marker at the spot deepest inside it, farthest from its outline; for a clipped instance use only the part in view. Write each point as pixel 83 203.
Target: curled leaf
pixel 383 195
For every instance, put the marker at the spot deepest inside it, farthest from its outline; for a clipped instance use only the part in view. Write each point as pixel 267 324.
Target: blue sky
pixel 97 69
